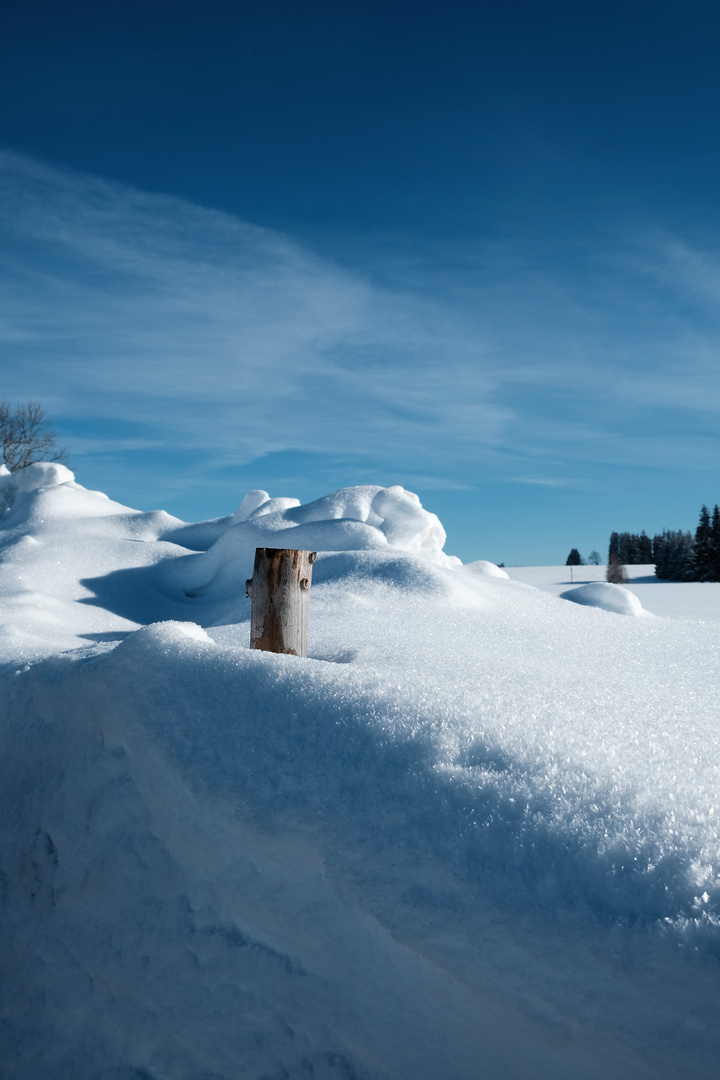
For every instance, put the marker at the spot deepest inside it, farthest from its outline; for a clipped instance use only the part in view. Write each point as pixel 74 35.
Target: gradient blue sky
pixel 471 248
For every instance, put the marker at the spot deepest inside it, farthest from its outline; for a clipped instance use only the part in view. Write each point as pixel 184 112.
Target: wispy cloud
pixel 541 481
pixel 144 323
pixel 224 336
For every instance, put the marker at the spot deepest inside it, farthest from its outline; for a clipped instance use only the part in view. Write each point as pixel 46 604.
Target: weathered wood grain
pixel 280 594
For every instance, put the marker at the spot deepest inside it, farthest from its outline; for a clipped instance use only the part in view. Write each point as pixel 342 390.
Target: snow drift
pixel 357 518
pixel 607 597
pixel 474 834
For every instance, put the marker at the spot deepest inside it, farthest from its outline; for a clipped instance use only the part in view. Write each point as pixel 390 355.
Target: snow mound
pixel 362 518
pixel 387 567
pixel 608 597
pixel 42 474
pixel 164 636
pixel 482 566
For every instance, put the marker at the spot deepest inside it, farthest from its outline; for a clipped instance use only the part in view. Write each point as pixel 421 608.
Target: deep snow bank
pixel 477 825
pixel 352 519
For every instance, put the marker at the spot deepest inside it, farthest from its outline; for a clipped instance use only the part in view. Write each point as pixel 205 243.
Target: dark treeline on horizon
pixel 677 555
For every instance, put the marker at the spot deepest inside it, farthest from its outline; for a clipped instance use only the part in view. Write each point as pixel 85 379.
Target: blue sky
pixel 472 249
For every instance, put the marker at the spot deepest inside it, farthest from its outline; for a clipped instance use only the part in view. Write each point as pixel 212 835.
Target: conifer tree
pixel 715 545
pixel 656 547
pixel 613 549
pixel 674 556
pixel 629 549
pixel 574 558
pixel 644 545
pixel 659 553
pixel 703 558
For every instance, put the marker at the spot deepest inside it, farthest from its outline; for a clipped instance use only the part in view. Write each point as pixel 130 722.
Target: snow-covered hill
pixel 474 834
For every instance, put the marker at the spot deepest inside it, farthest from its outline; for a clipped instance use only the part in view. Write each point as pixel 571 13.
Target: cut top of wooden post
pixel 280 593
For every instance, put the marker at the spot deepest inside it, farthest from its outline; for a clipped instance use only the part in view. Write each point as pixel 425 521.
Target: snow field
pixel 474 834
pixel 669 599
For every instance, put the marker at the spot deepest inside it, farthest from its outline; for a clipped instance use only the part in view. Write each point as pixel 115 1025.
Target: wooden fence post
pixel 280 593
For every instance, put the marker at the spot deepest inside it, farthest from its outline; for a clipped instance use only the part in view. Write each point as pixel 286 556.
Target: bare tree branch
pixel 26 436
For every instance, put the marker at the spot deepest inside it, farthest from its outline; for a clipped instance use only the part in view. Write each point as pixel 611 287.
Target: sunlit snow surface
pixel 607 597
pixel 474 834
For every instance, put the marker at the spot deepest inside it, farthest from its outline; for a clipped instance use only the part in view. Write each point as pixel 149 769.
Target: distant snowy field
pixel 670 599
pixel 474 834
